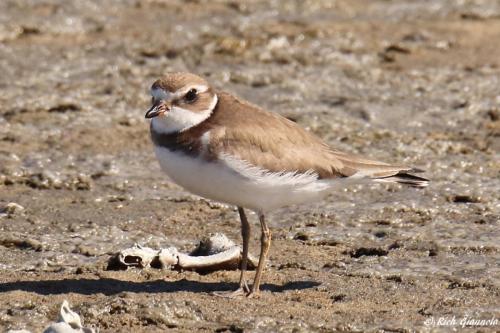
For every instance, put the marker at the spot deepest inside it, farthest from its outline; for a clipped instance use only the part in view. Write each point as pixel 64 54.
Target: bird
pixel 223 148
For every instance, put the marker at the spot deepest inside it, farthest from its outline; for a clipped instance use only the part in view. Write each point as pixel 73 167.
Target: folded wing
pixel 274 143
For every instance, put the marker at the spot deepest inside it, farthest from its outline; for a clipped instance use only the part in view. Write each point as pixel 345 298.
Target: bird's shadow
pixel 108 286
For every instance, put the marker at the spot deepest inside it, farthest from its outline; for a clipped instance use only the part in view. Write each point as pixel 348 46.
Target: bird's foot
pixel 240 292
pixel 253 294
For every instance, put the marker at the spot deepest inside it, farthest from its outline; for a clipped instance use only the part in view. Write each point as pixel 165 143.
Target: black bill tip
pixel 156 109
pixel 153 112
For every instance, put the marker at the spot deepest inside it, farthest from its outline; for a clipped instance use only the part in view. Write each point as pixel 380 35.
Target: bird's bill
pixel 156 109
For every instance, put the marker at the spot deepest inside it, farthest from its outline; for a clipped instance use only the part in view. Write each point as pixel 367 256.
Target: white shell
pixel 217 251
pixel 168 257
pixel 145 255
pixel 69 322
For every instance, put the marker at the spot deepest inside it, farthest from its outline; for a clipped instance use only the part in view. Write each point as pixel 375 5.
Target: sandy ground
pixel 413 82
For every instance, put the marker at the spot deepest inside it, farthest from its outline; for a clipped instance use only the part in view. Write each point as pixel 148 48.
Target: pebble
pixel 10 209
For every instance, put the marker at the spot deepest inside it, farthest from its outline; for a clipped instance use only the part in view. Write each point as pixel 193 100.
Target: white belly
pixel 235 182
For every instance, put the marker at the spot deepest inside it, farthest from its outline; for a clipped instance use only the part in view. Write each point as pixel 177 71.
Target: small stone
pixel 83 182
pixel 302 236
pixel 10 209
pixel 65 107
pixel 397 48
pixel 459 104
pixel 366 251
pixel 460 198
pixel 339 298
pixel 20 243
pixel 88 251
pixel 128 121
pixel 493 114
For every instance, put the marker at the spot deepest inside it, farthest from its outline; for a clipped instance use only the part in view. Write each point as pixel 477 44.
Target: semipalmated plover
pixel 223 148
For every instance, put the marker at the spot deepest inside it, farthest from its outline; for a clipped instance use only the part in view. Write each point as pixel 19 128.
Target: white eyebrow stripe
pixel 200 88
pixel 160 94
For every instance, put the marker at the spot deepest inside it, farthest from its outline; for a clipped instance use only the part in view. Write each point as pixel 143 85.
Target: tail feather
pixel 356 167
pixel 403 177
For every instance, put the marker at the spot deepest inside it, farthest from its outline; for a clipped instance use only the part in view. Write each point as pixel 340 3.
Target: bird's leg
pixel 243 288
pixel 265 243
pixel 245 234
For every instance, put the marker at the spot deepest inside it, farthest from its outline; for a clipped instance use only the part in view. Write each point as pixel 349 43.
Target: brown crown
pixel 176 80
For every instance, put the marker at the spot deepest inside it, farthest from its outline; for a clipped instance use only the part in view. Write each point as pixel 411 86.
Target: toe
pixel 240 292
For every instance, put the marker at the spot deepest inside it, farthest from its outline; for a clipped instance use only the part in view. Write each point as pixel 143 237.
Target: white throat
pixel 179 119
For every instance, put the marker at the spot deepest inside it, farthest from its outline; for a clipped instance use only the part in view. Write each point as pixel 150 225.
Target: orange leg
pixel 265 244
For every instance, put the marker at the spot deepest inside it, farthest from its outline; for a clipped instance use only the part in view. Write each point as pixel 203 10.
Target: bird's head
pixel 180 101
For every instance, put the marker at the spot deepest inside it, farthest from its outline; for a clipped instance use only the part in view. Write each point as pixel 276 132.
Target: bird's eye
pixel 191 95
